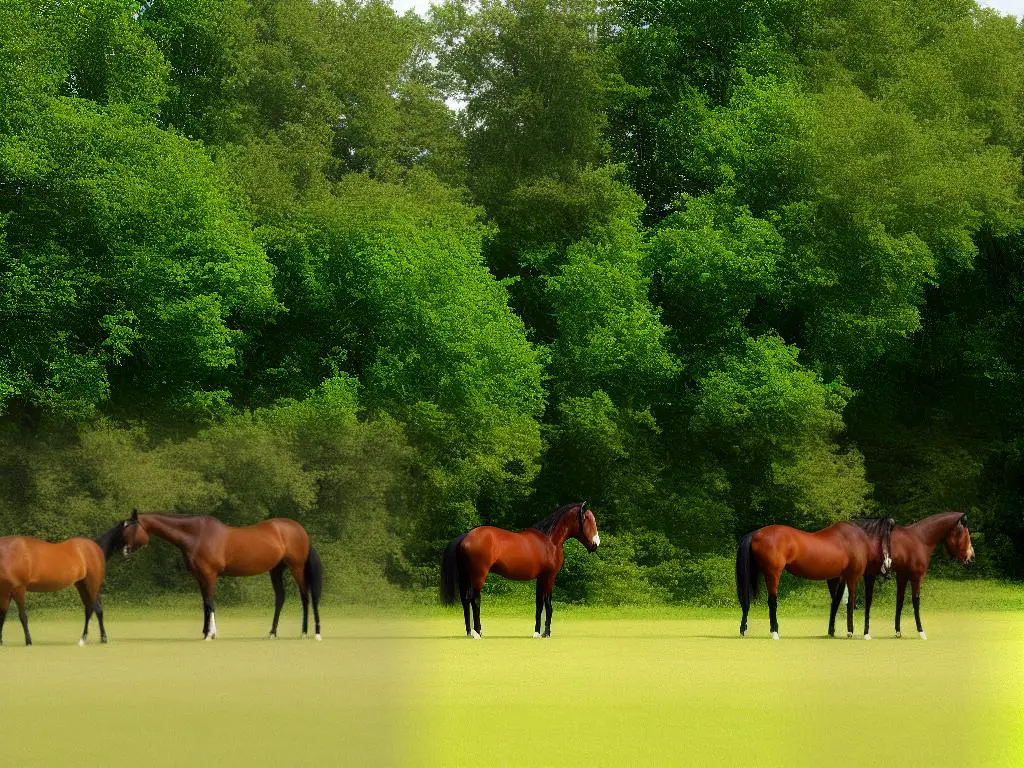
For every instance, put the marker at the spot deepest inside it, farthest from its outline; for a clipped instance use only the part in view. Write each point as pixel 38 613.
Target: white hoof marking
pixel 476 635
pixel 849 635
pixel 536 635
pixel 867 636
pixel 899 634
pixel 775 635
pixel 272 636
pixel 81 642
pixel 923 635
pixel 318 638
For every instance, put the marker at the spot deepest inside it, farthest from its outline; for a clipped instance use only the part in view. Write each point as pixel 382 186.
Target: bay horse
pixel 534 553
pixel 842 551
pixel 28 564
pixel 212 549
pixel 912 549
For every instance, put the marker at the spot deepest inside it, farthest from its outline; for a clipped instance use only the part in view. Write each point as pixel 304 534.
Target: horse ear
pixel 135 515
pixel 963 520
pixel 583 506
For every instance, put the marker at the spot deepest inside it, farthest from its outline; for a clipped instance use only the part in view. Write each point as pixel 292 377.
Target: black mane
pixel 546 525
pixel 877 527
pixel 111 540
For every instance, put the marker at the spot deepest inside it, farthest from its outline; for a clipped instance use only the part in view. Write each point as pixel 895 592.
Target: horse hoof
pixel 210 637
pixel 536 635
pixel 867 636
pixel 272 636
pixel 81 642
pixel 849 635
pixel 103 640
pixel 775 635
pixel 923 635
pixel 318 638
pixel 899 634
pixel 476 635
pixel 743 633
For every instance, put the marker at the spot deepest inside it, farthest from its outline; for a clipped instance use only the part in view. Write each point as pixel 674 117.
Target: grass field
pixel 673 687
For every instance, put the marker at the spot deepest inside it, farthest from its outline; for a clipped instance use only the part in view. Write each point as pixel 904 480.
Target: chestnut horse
pixel 212 549
pixel 842 551
pixel 31 565
pixel 535 553
pixel 912 548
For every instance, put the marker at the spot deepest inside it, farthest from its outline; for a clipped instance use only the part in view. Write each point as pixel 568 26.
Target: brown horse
pixel 535 553
pixel 842 551
pixel 912 548
pixel 212 549
pixel 31 565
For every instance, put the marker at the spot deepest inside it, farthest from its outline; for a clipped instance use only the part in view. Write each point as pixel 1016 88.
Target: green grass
pixel 662 686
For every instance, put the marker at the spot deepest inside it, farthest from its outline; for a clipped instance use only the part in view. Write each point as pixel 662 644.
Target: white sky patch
pixel 1012 7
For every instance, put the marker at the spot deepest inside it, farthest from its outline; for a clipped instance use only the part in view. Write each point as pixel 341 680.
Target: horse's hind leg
pixel 19 598
pixel 467 597
pixel 540 609
pixel 475 602
pixel 299 574
pixel 277 580
pixel 88 602
pixel 771 580
pixel 901 593
pixel 5 601
pixel 836 587
pixel 915 589
pixel 851 584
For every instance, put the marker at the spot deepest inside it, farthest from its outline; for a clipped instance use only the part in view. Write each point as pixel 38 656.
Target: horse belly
pixel 816 570
pixel 249 555
pixel 516 569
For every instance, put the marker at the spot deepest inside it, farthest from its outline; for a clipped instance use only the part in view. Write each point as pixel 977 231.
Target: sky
pixel 1015 7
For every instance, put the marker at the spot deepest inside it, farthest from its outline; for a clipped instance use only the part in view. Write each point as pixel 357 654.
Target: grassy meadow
pixel 615 686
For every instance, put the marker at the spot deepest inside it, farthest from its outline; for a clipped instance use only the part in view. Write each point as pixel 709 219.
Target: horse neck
pixel 177 530
pixel 564 528
pixel 933 529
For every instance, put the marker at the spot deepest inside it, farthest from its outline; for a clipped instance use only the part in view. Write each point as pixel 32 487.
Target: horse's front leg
pixel 208 586
pixel 915 587
pixel 901 593
pixel 547 586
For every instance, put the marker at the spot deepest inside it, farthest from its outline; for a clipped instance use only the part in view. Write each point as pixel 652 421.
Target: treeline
pixel 708 264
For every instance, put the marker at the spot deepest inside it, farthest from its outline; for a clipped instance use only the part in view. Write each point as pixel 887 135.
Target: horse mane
pixel 548 524
pixel 877 527
pixel 112 540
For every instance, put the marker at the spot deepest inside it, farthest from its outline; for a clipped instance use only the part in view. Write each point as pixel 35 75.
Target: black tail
pixel 451 576
pixel 314 573
pixel 747 573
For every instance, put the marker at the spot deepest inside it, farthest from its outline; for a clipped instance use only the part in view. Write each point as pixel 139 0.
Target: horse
pixel 28 564
pixel 912 548
pixel 842 551
pixel 212 549
pixel 534 553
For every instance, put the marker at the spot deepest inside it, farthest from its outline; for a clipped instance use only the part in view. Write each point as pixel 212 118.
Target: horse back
pixel 522 555
pixel 40 566
pixel 258 548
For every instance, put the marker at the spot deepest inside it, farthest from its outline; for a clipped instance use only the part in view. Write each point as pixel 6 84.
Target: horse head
pixel 586 528
pixel 958 541
pixel 134 534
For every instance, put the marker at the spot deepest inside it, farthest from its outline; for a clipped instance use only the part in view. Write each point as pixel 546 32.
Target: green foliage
pixel 710 265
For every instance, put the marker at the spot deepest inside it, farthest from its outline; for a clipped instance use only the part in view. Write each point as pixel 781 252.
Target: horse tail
pixel 451 572
pixel 314 573
pixel 747 572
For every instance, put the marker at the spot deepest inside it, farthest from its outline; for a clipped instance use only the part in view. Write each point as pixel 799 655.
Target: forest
pixel 708 264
